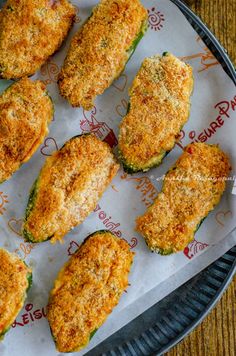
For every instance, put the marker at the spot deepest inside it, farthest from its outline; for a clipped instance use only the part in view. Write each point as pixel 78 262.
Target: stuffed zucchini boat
pixel 100 50
pixel 68 188
pixel 15 280
pixel 25 112
pixel 191 189
pixel 30 32
pixel 159 107
pixel 87 289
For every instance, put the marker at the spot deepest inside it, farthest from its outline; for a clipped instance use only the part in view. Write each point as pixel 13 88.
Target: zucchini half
pixel 15 281
pixel 159 107
pixel 140 35
pixel 26 110
pixel 27 45
pixel 100 50
pixel 87 289
pixel 68 188
pixel 191 190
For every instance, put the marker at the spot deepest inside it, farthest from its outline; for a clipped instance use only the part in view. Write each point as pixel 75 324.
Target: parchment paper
pixel 152 276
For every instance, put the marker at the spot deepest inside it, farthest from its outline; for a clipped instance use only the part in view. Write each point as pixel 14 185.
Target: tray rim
pixel 196 19
pixel 232 271
pixel 223 52
pixel 204 313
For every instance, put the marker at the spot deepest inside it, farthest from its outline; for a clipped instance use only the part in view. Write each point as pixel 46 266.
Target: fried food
pixel 100 49
pixel 15 280
pixel 68 188
pixel 159 108
pixel 30 32
pixel 191 190
pixel 87 289
pixel 25 112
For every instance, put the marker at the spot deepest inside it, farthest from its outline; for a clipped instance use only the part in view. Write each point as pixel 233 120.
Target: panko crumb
pixel 87 289
pixel 30 32
pixel 25 112
pixel 159 108
pixel 68 188
pixel 191 189
pixel 100 49
pixel 14 283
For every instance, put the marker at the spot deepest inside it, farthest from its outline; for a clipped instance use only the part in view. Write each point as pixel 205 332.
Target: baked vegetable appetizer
pixel 100 49
pixel 30 32
pixel 15 280
pixel 68 188
pixel 159 107
pixel 87 289
pixel 191 189
pixel 25 112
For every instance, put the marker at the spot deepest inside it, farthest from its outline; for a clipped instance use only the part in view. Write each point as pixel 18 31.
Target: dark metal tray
pixel 170 320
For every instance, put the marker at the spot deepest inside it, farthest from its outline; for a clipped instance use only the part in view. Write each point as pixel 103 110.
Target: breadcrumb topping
pixel 100 50
pixel 30 32
pixel 87 289
pixel 159 107
pixel 69 186
pixel 25 112
pixel 13 286
pixel 191 189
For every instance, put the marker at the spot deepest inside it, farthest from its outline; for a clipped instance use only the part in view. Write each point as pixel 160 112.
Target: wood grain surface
pixel 216 335
pixel 220 17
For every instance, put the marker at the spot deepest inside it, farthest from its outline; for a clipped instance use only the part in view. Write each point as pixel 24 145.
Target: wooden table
pixel 216 336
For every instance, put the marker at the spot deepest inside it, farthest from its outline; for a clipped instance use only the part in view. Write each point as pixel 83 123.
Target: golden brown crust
pixel 13 286
pixel 25 112
pixel 159 107
pixel 87 289
pixel 69 187
pixel 99 50
pixel 191 189
pixel 30 32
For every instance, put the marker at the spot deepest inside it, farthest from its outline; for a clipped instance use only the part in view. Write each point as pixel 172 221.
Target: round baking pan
pixel 170 320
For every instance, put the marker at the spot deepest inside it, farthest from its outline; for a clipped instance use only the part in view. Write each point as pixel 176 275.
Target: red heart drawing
pixel 121 82
pixel 121 109
pixel 133 243
pixel 72 248
pixel 221 216
pixel 15 225
pixel 49 146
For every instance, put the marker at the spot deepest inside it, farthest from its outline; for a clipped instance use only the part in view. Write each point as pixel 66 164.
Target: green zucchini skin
pixel 58 296
pixel 5 84
pixel 131 169
pixel 30 205
pixel 92 334
pixel 118 27
pixel 214 167
pixel 30 281
pixel 140 35
pixel 4 332
pixel 32 197
pixel 90 338
pixel 31 230
pixel 10 86
pixel 170 251
pixel 155 161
